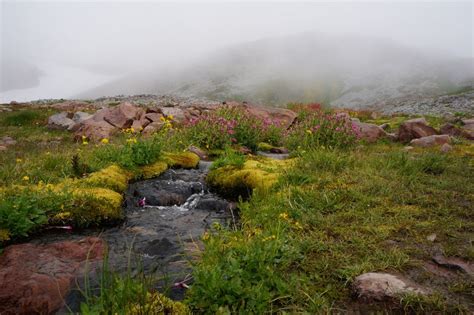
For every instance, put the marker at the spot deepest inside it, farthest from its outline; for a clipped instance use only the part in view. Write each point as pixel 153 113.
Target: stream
pixel 159 236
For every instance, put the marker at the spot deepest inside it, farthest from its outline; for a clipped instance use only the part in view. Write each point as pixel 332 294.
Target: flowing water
pixel 160 236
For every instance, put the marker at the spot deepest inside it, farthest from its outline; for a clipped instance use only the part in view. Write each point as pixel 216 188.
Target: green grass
pixel 333 216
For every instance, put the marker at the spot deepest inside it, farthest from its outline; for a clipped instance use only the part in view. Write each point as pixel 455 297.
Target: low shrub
pixel 232 125
pixel 319 129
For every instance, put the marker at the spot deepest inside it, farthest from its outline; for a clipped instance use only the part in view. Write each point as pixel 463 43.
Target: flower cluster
pixel 231 125
pixel 318 128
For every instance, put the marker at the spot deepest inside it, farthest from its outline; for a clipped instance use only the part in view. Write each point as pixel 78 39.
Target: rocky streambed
pixel 164 220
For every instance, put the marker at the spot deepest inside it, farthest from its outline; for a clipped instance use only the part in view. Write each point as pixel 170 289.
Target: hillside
pixel 345 71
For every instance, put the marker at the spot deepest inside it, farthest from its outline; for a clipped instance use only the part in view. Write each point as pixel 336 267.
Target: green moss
pixel 159 304
pixel 153 170
pixel 263 146
pixel 183 160
pixel 258 174
pixel 112 177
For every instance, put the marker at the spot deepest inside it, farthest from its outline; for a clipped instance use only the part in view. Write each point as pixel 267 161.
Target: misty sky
pixel 113 38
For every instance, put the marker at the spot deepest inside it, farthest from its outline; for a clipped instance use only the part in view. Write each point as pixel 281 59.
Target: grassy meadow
pixel 337 208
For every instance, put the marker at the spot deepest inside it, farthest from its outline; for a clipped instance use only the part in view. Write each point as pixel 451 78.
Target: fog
pixel 89 49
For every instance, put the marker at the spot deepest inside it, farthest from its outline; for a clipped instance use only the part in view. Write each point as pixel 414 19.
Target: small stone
pixel 446 148
pixel 375 286
pixel 453 263
pixel 430 141
pixel 3 148
pixel 408 148
pixel 431 237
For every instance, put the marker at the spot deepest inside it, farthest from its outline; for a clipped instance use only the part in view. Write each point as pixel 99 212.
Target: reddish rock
pixel 94 130
pixel 370 132
pixel 123 115
pixel 454 263
pixel 202 155
pixel 153 117
pixel 415 128
pixel 430 141
pixel 152 128
pixel 281 115
pixel 468 124
pixel 71 106
pixel 36 278
pixel 374 286
pixel 452 130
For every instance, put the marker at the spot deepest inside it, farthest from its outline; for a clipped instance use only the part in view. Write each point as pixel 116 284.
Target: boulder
pixel 153 117
pixel 374 286
pixel 94 130
pixel 280 115
pixel 430 141
pixel 152 128
pixel 80 117
pixel 61 121
pixel 452 130
pixel 123 115
pixel 468 124
pixel 36 278
pixel 369 132
pixel 177 113
pixel 415 128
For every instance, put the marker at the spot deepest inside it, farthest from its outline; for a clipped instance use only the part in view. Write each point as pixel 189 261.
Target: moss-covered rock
pixel 90 206
pixel 258 174
pixel 112 177
pixel 183 160
pixel 159 304
pixel 153 170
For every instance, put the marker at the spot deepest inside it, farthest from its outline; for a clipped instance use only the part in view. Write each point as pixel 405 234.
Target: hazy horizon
pixel 62 49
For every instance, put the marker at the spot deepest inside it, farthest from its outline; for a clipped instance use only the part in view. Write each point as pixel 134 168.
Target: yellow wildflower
pixel 269 238
pixel 104 141
pixel 170 117
pixel 26 178
pixel 162 118
pixel 309 131
pixel 205 236
pixel 283 216
pixel 18 160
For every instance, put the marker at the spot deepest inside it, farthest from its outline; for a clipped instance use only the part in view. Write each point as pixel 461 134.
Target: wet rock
pixel 445 148
pixel 60 121
pixel 167 193
pixel 36 278
pixel 453 263
pixel 94 130
pixel 370 132
pixel 123 115
pixel 413 129
pixel 279 150
pixel 430 141
pixel 374 286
